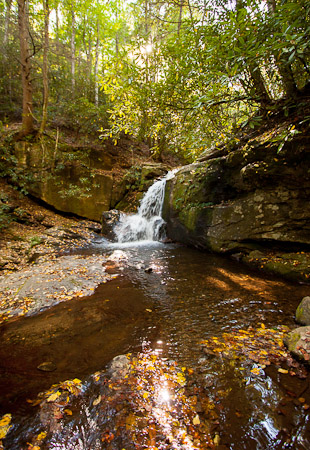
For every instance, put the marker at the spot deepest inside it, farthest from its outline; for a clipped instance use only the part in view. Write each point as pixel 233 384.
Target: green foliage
pixel 35 240
pixel 5 217
pixel 180 78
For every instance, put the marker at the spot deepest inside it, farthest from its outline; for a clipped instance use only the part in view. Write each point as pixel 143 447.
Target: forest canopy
pixel 179 75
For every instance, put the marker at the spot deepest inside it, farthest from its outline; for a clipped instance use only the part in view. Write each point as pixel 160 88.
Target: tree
pixel 25 60
pixel 45 65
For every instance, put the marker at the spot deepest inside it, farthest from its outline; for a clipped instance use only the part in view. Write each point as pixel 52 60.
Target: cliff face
pixel 251 195
pixel 85 180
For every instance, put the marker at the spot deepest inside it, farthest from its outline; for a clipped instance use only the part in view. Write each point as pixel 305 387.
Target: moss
pixel 299 313
pixel 292 341
pixel 189 218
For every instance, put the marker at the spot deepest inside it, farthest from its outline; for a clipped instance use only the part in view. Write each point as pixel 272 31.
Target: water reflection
pixel 191 296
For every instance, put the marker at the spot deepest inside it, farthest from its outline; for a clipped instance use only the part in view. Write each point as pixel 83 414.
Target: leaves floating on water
pixel 5 425
pixel 262 346
pixel 147 402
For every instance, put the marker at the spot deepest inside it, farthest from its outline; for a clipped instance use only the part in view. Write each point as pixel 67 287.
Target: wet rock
pixel 118 255
pixel 108 220
pixel 47 366
pixel 298 343
pixel 43 285
pixel 119 367
pixel 303 312
pixel 148 270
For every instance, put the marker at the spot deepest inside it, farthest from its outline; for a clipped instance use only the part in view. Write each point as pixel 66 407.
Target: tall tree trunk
pixel 180 17
pixel 97 66
pixel 282 63
pixel 8 4
pixel 57 28
pixel 23 27
pixel 255 71
pixel 89 67
pixel 45 65
pixel 72 49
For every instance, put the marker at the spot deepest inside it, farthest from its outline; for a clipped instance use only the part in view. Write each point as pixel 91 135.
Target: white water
pixel 147 224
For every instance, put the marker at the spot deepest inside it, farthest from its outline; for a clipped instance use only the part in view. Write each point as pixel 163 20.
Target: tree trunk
pixel 57 28
pixel 27 122
pixel 255 72
pixel 180 17
pixel 8 4
pixel 97 67
pixel 72 49
pixel 45 65
pixel 284 67
pixel 89 66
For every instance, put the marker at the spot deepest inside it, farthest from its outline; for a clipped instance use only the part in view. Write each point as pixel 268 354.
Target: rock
pixel 119 367
pixel 81 183
pixel 47 366
pixel 118 255
pixel 303 312
pixel 108 220
pixel 244 201
pixel 298 343
pixel 148 270
pixel 256 254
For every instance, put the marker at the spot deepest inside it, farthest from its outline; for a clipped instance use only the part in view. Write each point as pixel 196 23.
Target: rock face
pixel 83 181
pixel 243 197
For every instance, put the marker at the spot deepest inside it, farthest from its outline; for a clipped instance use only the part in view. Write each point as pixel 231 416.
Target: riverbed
pixel 166 300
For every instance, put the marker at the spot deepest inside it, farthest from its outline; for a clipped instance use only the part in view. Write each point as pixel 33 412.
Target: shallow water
pixel 185 296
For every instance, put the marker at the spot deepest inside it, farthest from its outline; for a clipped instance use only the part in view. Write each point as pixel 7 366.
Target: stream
pixel 166 299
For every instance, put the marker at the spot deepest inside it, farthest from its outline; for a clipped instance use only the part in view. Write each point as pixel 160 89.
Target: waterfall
pixel 147 224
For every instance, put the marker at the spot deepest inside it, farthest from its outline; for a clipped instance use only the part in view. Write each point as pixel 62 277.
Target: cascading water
pixel 147 224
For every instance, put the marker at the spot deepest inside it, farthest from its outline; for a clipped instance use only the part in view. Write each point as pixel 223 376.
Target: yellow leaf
pixel 97 401
pixel 41 436
pixel 256 371
pixel 196 420
pixel 53 397
pixel 262 326
pixel 5 425
pixel 145 395
pixel 282 370
pixel 68 411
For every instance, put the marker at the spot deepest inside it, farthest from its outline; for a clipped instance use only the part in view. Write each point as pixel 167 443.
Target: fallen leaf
pixel 196 420
pixel 97 401
pixel 5 425
pixel 282 370
pixel 53 397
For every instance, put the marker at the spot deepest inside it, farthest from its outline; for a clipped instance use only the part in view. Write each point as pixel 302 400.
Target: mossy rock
pixel 303 312
pixel 298 343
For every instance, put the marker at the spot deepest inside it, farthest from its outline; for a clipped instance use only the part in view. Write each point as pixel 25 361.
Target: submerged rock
pixel 47 366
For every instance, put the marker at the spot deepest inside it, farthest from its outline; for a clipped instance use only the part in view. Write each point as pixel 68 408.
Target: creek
pixel 166 299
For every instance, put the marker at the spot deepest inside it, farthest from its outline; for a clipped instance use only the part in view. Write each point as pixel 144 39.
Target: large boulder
pixel 243 197
pixel 303 312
